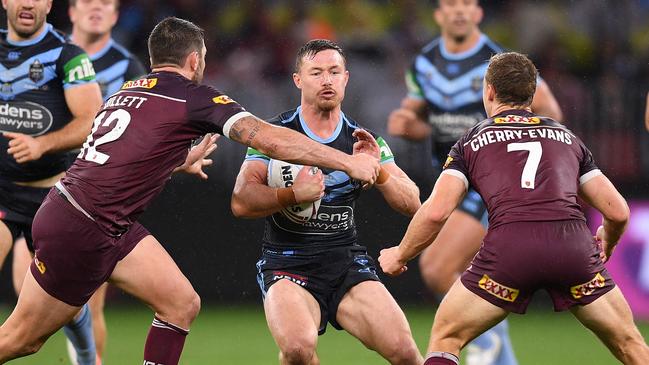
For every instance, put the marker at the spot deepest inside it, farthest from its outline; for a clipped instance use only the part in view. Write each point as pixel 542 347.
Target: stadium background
pixel 594 54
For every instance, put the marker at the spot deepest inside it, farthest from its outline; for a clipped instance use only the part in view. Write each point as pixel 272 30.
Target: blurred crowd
pixel 594 54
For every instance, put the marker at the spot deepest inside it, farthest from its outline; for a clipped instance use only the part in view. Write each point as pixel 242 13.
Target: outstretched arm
pixel 426 224
pixel 290 146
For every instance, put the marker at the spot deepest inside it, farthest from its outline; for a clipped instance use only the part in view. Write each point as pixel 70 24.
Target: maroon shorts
pixel 73 256
pixel 517 259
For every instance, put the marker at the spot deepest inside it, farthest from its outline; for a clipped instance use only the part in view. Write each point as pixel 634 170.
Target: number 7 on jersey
pixel 535 150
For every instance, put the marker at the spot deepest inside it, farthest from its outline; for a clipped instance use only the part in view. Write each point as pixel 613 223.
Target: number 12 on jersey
pixel 535 150
pixel 89 150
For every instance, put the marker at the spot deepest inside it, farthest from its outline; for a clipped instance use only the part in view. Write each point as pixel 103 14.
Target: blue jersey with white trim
pixel 33 77
pixel 334 225
pixel 113 66
pixel 451 84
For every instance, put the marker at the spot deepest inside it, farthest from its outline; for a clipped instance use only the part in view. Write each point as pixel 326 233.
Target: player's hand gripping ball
pixel 282 175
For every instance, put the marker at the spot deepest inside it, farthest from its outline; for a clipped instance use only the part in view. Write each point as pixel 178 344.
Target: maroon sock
pixel 441 358
pixel 164 344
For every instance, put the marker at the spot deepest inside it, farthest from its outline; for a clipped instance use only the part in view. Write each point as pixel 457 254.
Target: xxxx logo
pixel 498 290
pixel 588 288
pixel 517 119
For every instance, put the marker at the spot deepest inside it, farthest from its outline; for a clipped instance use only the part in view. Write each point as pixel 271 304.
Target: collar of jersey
pixel 102 51
pixel 29 42
pixel 462 55
pixel 314 136
pixel 521 112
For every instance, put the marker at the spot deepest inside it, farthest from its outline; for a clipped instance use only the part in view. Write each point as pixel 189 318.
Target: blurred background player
pixel 328 276
pixel 444 100
pixel 530 170
pixel 139 138
pixel 52 78
pixel 92 22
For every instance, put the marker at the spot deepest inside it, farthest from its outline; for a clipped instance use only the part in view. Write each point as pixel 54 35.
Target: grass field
pixel 232 336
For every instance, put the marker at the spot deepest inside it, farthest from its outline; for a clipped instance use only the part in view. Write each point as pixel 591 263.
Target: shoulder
pixel 286 118
pixel 431 47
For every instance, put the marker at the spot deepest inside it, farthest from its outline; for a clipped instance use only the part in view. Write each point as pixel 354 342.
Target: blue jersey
pixel 113 66
pixel 334 224
pixel 451 85
pixel 33 77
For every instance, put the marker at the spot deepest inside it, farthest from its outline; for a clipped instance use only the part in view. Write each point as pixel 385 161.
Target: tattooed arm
pixel 287 145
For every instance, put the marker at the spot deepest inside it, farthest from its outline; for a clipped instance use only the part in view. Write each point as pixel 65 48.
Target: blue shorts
pixel 326 274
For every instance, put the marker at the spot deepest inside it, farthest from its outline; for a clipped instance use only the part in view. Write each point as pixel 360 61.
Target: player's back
pixel 525 167
pixel 140 135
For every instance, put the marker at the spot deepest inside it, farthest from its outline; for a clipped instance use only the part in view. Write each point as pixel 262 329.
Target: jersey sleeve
pixel 414 89
pixel 587 167
pixel 254 155
pixel 135 69
pixel 214 111
pixel 74 67
pixel 386 153
pixel 456 164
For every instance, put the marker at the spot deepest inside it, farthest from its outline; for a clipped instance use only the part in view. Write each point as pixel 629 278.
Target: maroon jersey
pixel 525 167
pixel 140 135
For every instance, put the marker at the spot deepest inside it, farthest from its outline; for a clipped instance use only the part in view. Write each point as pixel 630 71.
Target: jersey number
pixel 121 119
pixel 532 164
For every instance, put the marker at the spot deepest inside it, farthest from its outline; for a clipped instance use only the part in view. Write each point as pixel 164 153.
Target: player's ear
pixel 297 80
pixel 49 6
pixel 4 4
pixel 437 15
pixel 477 17
pixel 193 60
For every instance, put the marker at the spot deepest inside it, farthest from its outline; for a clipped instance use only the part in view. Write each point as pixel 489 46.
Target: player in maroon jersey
pixel 86 231
pixel 529 170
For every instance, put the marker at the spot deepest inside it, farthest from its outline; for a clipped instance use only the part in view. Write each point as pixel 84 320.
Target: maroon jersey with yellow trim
pixel 525 167
pixel 140 135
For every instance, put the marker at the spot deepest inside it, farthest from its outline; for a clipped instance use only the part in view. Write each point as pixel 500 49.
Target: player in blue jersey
pixel 444 100
pixel 49 97
pixel 315 272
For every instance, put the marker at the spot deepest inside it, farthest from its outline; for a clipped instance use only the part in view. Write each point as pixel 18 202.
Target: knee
pixel 403 351
pixel 26 348
pixel 192 306
pixel 298 352
pixel 182 310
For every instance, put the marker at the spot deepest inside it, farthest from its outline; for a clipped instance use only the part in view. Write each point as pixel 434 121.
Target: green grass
pixel 231 336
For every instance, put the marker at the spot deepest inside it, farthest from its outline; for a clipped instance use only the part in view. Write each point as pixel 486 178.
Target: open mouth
pixel 328 93
pixel 26 16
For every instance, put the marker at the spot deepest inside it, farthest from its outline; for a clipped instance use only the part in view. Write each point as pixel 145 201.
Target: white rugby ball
pixel 282 175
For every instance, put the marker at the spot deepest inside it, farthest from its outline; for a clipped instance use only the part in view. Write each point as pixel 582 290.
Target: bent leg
pixel 151 275
pixel 36 317
pixel 369 313
pixel 610 318
pixel 461 317
pixel 442 262
pixel 293 317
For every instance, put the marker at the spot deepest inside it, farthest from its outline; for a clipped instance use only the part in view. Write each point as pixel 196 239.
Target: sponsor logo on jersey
pixel 142 83
pixel 79 69
pixel 449 159
pixel 328 220
pixel 40 265
pixel 517 119
pixel 222 99
pixel 297 279
pixel 13 56
pixel 588 288
pixel 24 117
pixel 498 290
pixel 36 71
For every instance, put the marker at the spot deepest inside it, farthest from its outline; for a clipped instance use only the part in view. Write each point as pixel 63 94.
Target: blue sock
pixel 498 336
pixel 79 332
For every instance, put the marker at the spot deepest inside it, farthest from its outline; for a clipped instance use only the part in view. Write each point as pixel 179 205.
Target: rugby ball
pixel 282 175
